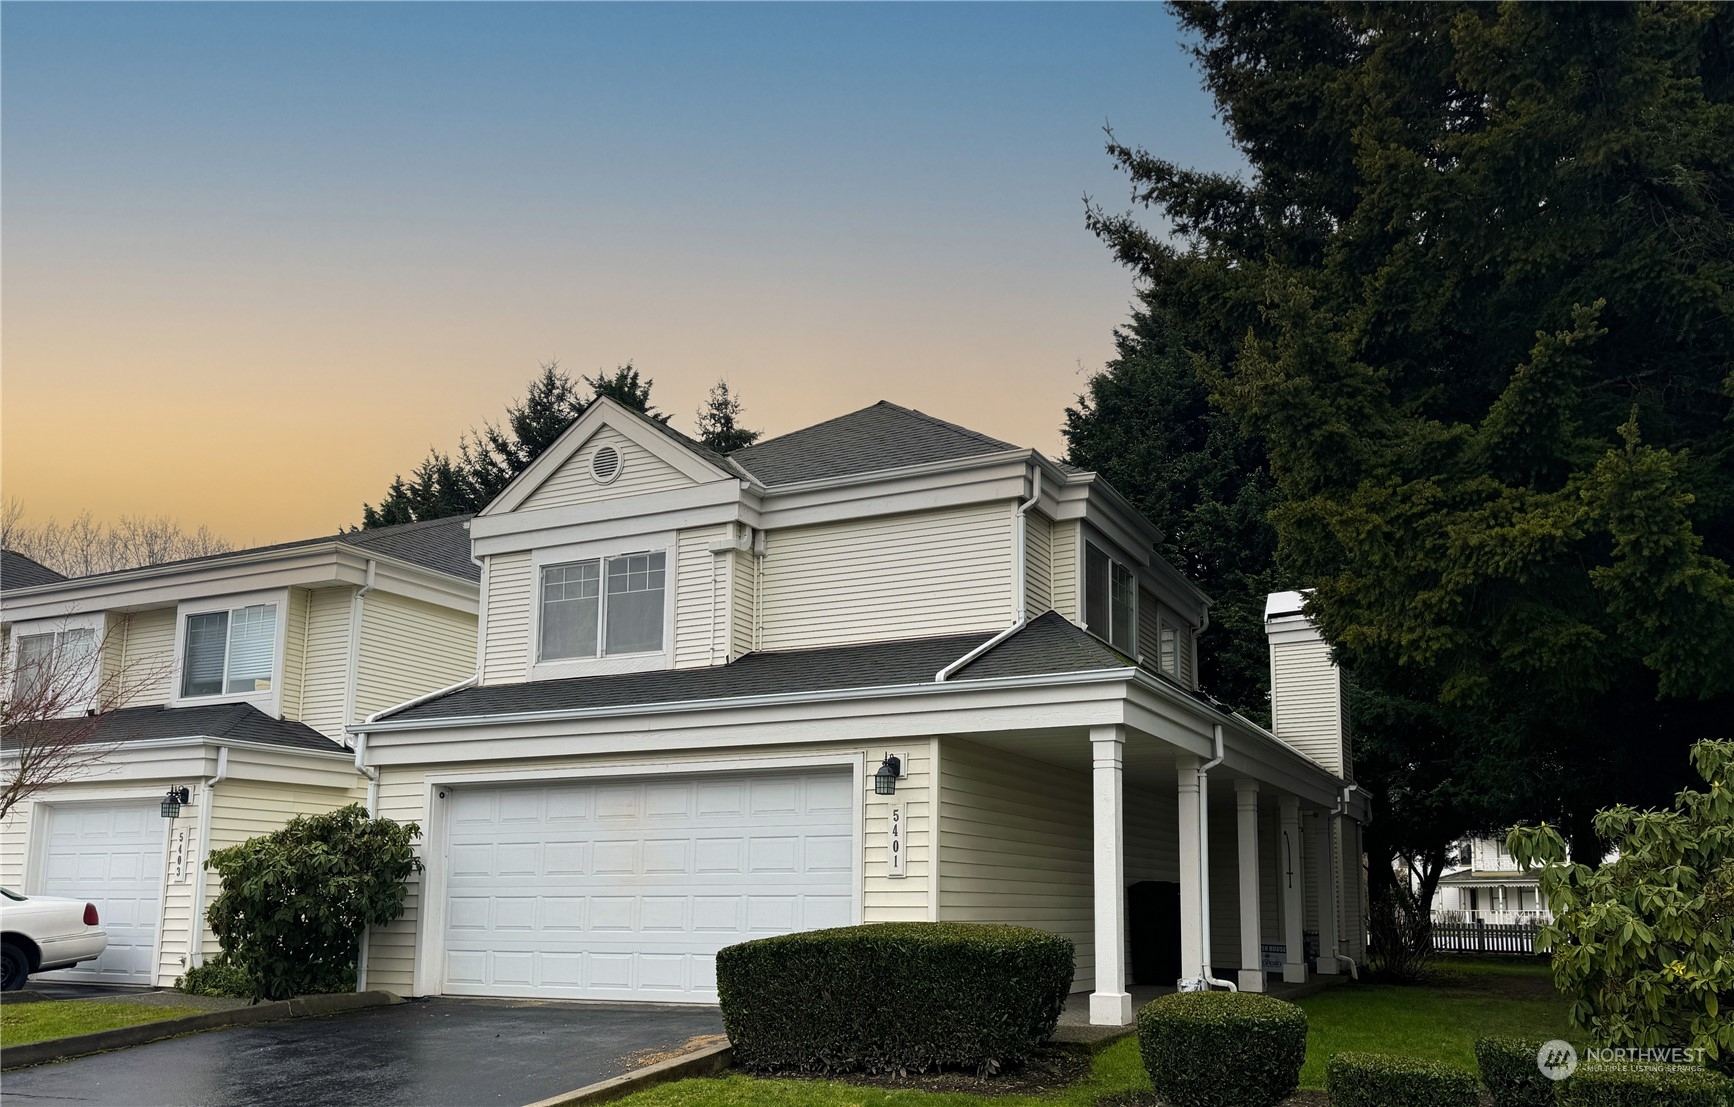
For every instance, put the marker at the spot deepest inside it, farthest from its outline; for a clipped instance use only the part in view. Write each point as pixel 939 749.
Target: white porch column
pixel 1291 886
pixel 1110 1003
pixel 1251 978
pixel 1327 878
pixel 1191 872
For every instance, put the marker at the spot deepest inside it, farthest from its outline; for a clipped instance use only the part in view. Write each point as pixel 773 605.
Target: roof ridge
pixel 810 426
pixel 949 425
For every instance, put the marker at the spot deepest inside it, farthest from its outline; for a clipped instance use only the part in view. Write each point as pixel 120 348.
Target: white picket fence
pixel 1484 937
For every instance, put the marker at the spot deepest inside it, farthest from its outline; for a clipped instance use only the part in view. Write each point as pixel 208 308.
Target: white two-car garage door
pixel 110 854
pixel 626 889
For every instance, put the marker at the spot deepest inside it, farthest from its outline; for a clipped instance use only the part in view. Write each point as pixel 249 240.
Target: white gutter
pixel 1020 570
pixel 196 945
pixel 357 605
pixel 1204 859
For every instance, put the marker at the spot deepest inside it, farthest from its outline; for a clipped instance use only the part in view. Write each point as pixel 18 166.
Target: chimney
pixel 1307 706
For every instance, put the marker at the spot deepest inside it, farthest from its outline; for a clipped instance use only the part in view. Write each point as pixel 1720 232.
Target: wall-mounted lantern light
pixel 885 780
pixel 176 799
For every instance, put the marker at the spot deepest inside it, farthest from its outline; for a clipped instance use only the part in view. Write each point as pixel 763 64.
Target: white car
pixel 38 933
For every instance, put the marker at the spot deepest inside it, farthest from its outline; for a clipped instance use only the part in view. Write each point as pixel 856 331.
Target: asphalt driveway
pixel 428 1053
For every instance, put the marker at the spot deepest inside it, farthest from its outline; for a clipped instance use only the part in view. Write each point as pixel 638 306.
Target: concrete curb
pixel 704 1062
pixel 56 1049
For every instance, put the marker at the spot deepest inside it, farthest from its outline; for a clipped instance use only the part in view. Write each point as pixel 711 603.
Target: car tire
pixel 14 966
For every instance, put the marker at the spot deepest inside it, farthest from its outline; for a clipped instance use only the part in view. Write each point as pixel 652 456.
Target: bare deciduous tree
pixel 54 715
pixel 83 545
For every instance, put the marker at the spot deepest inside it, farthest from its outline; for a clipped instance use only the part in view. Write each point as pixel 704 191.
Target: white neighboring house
pixel 257 660
pixel 1490 887
pixel 881 668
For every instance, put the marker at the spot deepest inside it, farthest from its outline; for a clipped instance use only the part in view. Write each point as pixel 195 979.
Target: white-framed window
pixel 1110 599
pixel 229 651
pixel 601 607
pixel 52 661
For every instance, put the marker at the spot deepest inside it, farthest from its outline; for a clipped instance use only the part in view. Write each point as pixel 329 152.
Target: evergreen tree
pixel 1145 424
pixel 488 459
pixel 718 421
pixel 1474 298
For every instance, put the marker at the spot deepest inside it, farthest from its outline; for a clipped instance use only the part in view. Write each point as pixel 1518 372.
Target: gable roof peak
pixel 876 438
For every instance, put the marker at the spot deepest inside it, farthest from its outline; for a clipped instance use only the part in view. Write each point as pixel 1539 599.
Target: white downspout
pixel 357 605
pixel 372 775
pixel 1204 860
pixel 1020 571
pixel 1336 846
pixel 196 947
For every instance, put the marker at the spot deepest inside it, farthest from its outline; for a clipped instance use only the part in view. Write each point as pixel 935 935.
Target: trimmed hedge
pixel 1673 1086
pixel 1509 1069
pixel 1383 1080
pixel 893 997
pixel 1222 1049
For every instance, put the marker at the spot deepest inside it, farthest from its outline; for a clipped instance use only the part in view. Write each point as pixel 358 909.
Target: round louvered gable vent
pixel 605 464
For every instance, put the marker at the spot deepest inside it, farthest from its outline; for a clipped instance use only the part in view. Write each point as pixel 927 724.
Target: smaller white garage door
pixel 112 855
pixel 627 889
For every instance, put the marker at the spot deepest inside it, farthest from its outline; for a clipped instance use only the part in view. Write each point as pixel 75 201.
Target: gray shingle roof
pixel 240 721
pixel 442 545
pixel 18 571
pixel 873 439
pixel 1047 645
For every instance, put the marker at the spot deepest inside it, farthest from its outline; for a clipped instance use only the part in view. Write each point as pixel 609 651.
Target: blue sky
pixel 371 222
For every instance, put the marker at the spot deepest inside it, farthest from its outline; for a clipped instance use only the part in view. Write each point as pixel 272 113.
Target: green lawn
pixel 32 1022
pixel 1439 1020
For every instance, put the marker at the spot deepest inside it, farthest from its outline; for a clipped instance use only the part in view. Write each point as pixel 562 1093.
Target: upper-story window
pixel 603 607
pixel 54 665
pixel 1110 599
pixel 231 652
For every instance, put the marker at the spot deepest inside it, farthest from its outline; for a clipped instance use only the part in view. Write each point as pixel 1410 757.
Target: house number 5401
pixel 896 844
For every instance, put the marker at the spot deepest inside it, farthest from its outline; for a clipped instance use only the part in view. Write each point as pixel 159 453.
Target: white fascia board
pixel 403 578
pixel 904 472
pixel 622 509
pixel 1088 496
pixel 898 497
pixel 195 756
pixel 603 411
pixel 166 586
pixel 626 526
pixel 899 714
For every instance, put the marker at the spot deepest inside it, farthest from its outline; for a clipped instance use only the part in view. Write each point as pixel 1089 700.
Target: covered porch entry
pixel 1111 836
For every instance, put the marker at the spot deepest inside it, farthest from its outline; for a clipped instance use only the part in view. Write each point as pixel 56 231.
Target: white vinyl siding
pixel 409 648
pixel 511 591
pixel 325 660
pixel 641 472
pixel 1307 699
pixel 294 651
pixel 1038 565
pixel 147 653
pixel 1015 846
pixel 905 576
pixel 403 796
pixel 743 597
pixel 701 602
pixel 1063 555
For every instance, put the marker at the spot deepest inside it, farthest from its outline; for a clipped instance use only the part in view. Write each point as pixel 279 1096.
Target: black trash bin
pixel 1154 926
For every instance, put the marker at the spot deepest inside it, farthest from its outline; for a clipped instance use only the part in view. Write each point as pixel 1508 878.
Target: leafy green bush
pixel 1511 1072
pixel 1383 1080
pixel 1222 1049
pixel 219 976
pixel 1644 945
pixel 893 997
pixel 1671 1086
pixel 295 902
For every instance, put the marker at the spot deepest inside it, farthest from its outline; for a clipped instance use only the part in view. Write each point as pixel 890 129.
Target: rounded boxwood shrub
pixel 1385 1080
pixel 1222 1049
pixel 893 997
pixel 1669 1086
pixel 1509 1069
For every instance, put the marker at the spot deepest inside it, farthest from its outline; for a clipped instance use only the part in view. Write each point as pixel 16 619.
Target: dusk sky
pixel 258 258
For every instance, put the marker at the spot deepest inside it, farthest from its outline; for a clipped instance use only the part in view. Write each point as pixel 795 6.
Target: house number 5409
pixel 896 844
